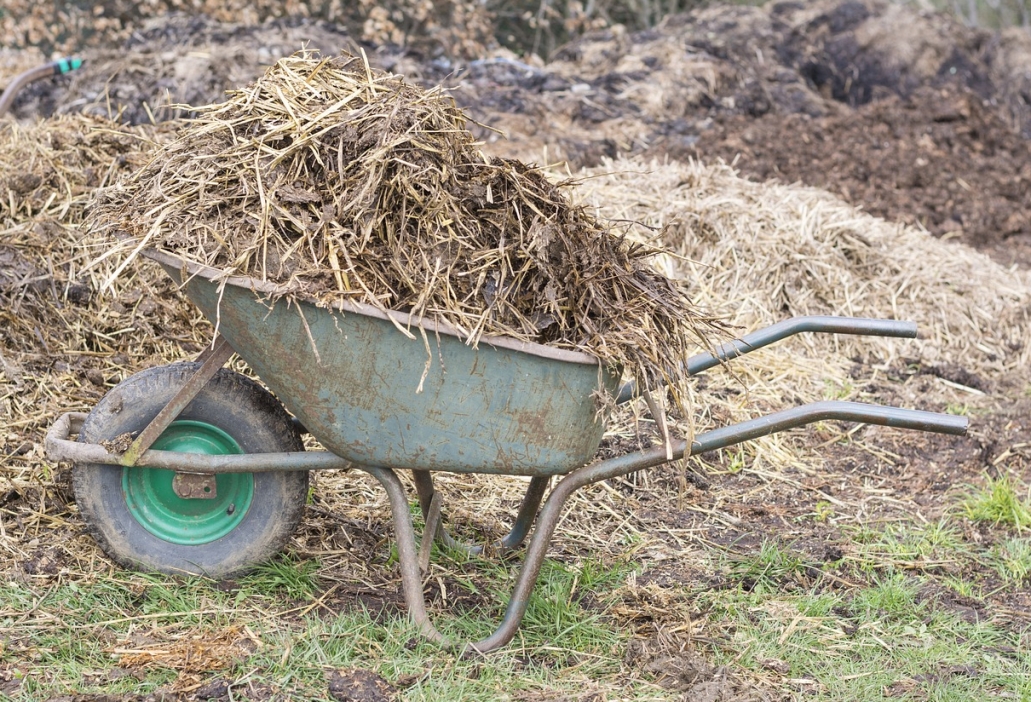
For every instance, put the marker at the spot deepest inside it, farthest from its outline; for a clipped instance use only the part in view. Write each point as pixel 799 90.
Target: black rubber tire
pixel 236 405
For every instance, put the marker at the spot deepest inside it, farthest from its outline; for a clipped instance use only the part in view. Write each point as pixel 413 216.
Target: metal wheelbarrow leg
pixel 549 515
pixel 531 503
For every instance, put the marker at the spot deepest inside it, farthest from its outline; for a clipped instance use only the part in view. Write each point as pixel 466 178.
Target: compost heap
pixel 340 183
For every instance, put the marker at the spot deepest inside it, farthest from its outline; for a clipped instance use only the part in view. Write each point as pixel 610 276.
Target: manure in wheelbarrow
pixel 338 182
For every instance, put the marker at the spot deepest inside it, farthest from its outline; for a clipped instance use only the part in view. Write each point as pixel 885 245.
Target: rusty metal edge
pixel 405 320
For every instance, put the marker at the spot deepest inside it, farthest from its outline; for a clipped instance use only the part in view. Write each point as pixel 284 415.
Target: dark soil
pixel 939 158
pixel 357 685
pixel 909 116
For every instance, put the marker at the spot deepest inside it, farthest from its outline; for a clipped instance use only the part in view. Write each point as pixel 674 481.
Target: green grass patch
pixel 998 502
pixel 1012 560
pixel 906 546
pixel 286 574
pixel 890 619
pixel 67 639
pixel 876 641
pixel 834 390
pixel 770 569
pixel 886 619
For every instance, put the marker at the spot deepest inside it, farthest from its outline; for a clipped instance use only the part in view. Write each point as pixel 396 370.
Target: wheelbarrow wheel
pixel 136 515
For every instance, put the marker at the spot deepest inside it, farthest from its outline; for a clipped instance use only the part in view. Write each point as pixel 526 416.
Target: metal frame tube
pixel 60 447
pixel 411 580
pixel 781 330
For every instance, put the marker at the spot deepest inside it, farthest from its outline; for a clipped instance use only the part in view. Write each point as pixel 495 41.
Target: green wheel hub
pixel 154 504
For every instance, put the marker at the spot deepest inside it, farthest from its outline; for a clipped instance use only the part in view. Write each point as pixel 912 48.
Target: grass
pixel 294 578
pixel 870 643
pixel 263 632
pixel 906 546
pixel 769 570
pixel 896 616
pixel 880 621
pixel 997 502
pixel 903 609
pixel 960 409
pixel 883 637
pixel 1012 559
pixel 838 390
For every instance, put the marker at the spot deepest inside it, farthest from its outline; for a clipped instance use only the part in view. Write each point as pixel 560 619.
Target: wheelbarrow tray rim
pixel 402 319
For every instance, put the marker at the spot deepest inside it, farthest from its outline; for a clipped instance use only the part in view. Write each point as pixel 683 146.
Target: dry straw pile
pixel 761 252
pixel 48 173
pixel 341 183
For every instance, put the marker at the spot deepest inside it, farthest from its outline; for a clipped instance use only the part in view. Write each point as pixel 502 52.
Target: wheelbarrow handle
pixel 549 516
pixel 781 330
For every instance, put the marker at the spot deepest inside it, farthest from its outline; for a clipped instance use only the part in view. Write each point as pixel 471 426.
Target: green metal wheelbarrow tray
pixel 170 477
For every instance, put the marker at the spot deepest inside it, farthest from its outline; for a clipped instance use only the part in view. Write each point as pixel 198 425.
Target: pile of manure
pixel 337 182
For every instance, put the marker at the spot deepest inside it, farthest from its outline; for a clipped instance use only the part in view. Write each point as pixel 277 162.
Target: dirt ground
pixel 909 116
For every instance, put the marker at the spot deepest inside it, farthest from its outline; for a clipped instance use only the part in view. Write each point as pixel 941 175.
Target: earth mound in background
pixel 911 115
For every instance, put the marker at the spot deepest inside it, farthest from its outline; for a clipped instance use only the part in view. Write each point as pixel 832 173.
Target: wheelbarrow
pixel 191 468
